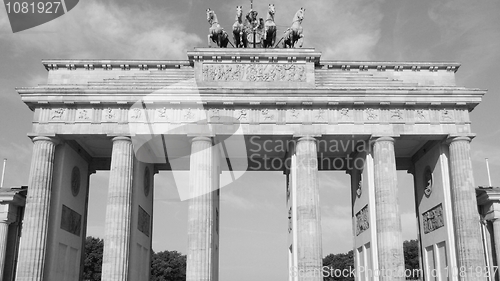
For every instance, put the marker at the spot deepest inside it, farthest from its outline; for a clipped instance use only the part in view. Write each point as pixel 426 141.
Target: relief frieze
pixel 254 72
pixel 244 115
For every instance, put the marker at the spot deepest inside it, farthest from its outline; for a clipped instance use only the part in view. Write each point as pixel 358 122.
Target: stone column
pixel 496 239
pixel 470 253
pixel 200 265
pixel 389 233
pixel 4 233
pixel 118 212
pixel 34 236
pixel 309 244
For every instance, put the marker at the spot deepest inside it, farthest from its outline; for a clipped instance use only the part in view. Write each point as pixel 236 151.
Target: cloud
pixel 409 226
pixel 340 29
pixel 105 29
pixel 4 22
pixel 472 26
pixel 235 201
pixel 17 154
pixel 344 29
pixel 482 150
pixel 37 79
pixel 333 230
pixel 333 182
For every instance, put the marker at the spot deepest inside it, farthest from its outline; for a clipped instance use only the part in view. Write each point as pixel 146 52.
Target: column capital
pixel 452 139
pixel 53 139
pixel 306 138
pixel 121 138
pixel 201 138
pixel 382 138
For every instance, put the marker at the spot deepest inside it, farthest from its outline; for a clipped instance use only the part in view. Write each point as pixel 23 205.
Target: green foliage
pixel 410 249
pixel 165 266
pixel 344 262
pixel 171 265
pixel 92 264
pixel 168 266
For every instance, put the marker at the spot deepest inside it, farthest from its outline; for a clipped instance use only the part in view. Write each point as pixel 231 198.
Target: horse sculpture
pixel 239 32
pixel 294 33
pixel 216 32
pixel 269 28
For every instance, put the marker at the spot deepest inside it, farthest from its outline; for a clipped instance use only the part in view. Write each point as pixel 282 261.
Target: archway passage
pixel 221 111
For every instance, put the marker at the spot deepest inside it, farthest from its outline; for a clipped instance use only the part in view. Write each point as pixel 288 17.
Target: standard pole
pixel 488 169
pixel 3 171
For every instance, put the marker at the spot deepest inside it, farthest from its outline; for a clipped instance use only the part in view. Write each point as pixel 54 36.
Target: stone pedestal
pixel 470 253
pixel 118 212
pixel 201 260
pixel 389 233
pixel 33 242
pixel 309 244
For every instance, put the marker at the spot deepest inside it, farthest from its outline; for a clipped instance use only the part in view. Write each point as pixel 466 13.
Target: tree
pixel 92 264
pixel 410 249
pixel 165 266
pixel 341 264
pixel 168 266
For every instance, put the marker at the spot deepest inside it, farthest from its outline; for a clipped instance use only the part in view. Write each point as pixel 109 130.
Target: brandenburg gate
pixel 137 117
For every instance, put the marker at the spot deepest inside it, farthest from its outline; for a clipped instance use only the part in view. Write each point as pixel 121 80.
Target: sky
pixel 253 216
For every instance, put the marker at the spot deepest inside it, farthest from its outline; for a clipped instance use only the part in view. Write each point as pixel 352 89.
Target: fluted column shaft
pixel 33 242
pixel 4 232
pixel 496 239
pixel 470 253
pixel 389 232
pixel 309 242
pixel 200 212
pixel 118 212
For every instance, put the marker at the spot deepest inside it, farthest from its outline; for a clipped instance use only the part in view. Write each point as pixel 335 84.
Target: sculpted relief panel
pixel 433 219
pixel 71 221
pixel 253 72
pixel 362 220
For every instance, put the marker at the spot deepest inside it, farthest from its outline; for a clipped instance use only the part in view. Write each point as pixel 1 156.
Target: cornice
pixel 93 64
pixel 389 65
pixel 487 195
pixel 254 55
pixel 464 98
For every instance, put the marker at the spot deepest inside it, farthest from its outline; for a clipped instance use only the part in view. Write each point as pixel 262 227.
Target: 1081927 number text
pixel 32 8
